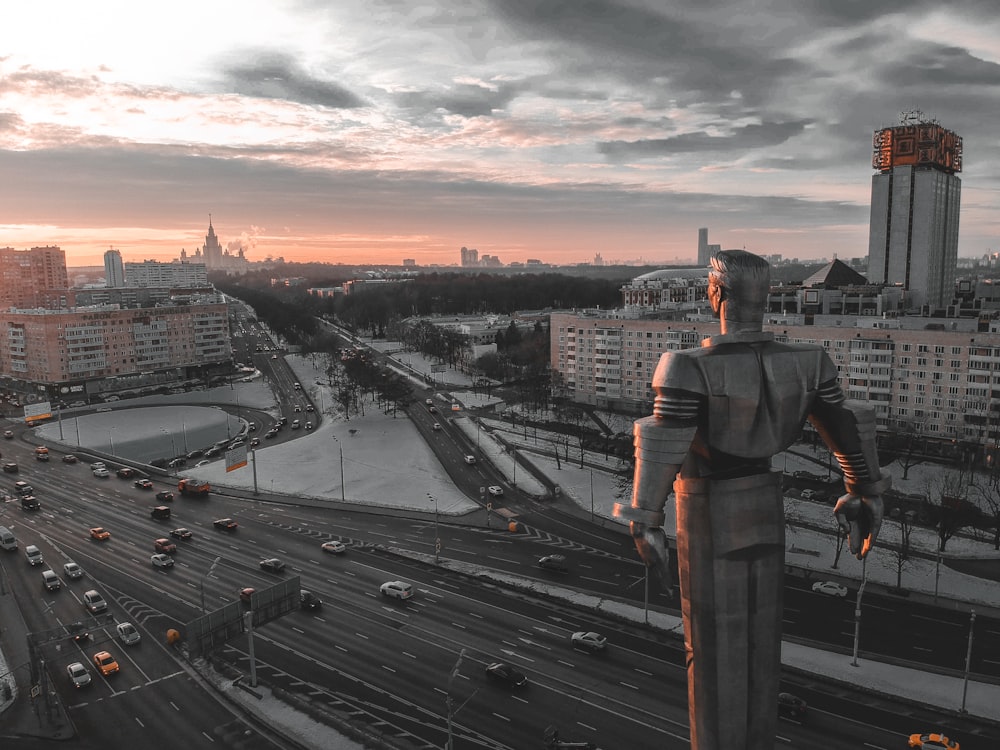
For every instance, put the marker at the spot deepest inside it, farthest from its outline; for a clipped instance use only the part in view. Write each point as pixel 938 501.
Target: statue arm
pixel 848 429
pixel 661 442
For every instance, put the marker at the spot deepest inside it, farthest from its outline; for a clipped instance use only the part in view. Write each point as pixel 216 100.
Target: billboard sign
pixel 37 411
pixel 236 458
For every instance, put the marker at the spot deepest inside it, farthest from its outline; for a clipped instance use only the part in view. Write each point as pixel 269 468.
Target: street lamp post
pixel 437 534
pixel 173 445
pixel 968 659
pixel 111 439
pixel 857 610
pixel 343 491
pixel 207 574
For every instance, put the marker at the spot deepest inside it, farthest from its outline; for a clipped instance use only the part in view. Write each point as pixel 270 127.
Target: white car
pixel 496 490
pixel 589 640
pixel 160 560
pixel 127 633
pixel 73 570
pixel 97 465
pixel 78 674
pixel 396 589
pixel 830 588
pixel 334 548
pixel 102 472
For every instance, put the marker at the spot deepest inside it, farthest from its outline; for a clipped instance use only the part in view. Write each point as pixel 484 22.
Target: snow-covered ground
pixel 386 463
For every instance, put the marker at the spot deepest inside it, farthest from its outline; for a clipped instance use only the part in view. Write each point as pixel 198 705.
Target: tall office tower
pixel 211 251
pixel 916 195
pixel 703 257
pixel 114 271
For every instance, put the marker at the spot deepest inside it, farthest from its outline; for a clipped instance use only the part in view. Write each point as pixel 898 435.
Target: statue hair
pixel 746 279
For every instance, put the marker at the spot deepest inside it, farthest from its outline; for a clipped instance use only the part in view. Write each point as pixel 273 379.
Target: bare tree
pixel 947 506
pixel 904 442
pixel 987 492
pixel 901 552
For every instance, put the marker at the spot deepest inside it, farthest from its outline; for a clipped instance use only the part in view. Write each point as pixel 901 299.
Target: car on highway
pixel 553 562
pixel 100 533
pixel 143 484
pixel 589 641
pixel 161 512
pixel 396 590
pixel 160 560
pixel 272 565
pixel 496 490
pixel 469 458
pixel 225 524
pixel 830 588
pixel 72 570
pixel 105 663
pixel 165 496
pixel 94 602
pixel 433 410
pixel 501 671
pixel 98 465
pixel 101 472
pixel 128 633
pixel 10 467
pixel 309 600
pixel 77 632
pixel 78 674
pixel 8 434
pixel 33 555
pixel 23 488
pixel 181 533
pixel 333 547
pixel 50 580
pixel 69 458
pixel 791 706
pixel 309 425
pixel 246 595
pixel 437 425
pixel 164 546
pixel 125 472
pixel 933 740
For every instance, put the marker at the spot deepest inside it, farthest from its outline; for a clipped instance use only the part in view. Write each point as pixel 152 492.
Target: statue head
pixel 738 285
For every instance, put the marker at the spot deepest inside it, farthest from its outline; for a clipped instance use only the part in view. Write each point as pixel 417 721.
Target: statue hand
pixel 861 519
pixel 651 543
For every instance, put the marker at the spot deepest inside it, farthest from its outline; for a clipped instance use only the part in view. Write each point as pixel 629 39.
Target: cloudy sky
pixel 376 130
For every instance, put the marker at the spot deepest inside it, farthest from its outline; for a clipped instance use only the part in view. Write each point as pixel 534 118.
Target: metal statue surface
pixel 720 413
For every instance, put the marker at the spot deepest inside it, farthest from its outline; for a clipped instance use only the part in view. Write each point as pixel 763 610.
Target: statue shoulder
pixel 680 370
pixel 822 365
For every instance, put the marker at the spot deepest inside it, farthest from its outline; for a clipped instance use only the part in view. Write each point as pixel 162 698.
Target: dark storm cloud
pixel 273 75
pixel 739 139
pixel 698 57
pixel 933 65
pixel 468 100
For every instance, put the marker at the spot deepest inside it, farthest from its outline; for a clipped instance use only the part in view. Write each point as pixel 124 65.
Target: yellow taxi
pixel 105 663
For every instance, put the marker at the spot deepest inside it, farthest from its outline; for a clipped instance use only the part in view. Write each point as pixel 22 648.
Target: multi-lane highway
pixel 382 661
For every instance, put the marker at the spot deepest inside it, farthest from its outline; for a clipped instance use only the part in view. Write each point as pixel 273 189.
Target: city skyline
pixel 368 132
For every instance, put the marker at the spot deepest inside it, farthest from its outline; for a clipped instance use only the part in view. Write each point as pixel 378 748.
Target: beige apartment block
pixel 49 349
pixel 930 378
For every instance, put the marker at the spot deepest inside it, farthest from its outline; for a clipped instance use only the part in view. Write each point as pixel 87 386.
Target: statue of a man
pixel 721 412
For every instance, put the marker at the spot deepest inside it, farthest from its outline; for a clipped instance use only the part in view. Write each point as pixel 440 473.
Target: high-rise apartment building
pixel 470 257
pixel 29 277
pixel 705 250
pixel 916 195
pixel 152 273
pixel 114 271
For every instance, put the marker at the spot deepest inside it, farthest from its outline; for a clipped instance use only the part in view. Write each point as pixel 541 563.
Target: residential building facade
pixel 104 348
pixel 940 378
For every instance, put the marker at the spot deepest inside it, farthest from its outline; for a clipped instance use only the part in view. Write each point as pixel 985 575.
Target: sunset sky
pixel 368 131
